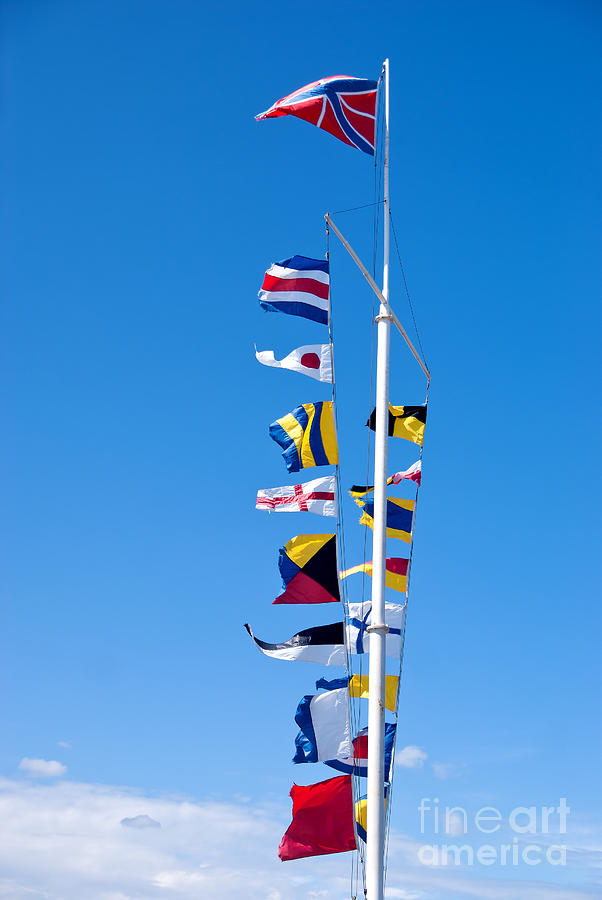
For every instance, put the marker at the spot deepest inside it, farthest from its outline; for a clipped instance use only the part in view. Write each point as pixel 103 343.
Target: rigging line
pixel 340 543
pixel 405 284
pixel 338 212
pixel 376 221
pixel 378 176
pixel 402 649
pixel 401 654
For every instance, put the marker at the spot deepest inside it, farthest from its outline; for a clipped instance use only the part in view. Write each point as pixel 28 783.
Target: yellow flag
pixel 358 687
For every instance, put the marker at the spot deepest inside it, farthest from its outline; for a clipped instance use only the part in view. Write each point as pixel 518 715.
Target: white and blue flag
pixel 324 722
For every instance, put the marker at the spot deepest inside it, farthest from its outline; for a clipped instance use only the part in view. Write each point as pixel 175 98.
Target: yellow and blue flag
pixel 307 436
pixel 399 517
pixel 361 814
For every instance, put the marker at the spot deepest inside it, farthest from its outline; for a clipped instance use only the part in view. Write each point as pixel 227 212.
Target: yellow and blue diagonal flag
pixel 399 517
pixel 307 436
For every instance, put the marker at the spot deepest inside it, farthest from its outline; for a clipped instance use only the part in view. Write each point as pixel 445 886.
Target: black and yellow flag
pixel 404 421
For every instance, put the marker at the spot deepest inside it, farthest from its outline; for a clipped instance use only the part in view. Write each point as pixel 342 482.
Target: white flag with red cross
pixel 317 496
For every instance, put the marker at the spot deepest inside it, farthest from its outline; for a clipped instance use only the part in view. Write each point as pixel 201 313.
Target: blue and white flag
pixel 357 763
pixel 358 639
pixel 324 723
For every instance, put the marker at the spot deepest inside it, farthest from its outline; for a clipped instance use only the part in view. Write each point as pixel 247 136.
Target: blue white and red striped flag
pixel 341 105
pixel 358 763
pixel 298 286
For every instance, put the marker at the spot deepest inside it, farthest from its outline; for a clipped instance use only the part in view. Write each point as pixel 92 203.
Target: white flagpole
pixel 375 831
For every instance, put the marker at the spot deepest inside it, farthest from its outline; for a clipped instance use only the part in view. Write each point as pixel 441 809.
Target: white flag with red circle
pixel 314 360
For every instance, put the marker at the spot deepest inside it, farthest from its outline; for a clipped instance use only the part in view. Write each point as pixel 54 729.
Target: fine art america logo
pixel 522 836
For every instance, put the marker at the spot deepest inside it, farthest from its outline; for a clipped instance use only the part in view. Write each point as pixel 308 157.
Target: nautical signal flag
pixel 323 819
pixel 357 764
pixel 342 105
pixel 317 496
pixel 297 286
pixel 395 573
pixel 399 517
pixel 325 729
pixel 359 621
pixel 404 421
pixel 308 566
pixel 358 687
pixel 324 645
pixel 361 815
pixel 314 360
pixel 413 473
pixel 307 436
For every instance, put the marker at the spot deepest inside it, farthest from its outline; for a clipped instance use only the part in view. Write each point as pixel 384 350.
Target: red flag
pixel 322 820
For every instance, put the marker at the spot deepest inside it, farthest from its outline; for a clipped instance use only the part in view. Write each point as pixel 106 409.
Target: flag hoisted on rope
pixel 357 764
pixel 317 496
pixel 342 105
pixel 361 816
pixel 325 729
pixel 308 567
pixel 399 517
pixel 359 621
pixel 314 360
pixel 413 473
pixel 297 286
pixel 324 645
pixel 359 687
pixel 307 436
pixel 322 819
pixel 395 573
pixel 404 421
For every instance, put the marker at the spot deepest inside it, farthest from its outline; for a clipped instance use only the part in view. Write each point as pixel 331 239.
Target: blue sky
pixel 142 204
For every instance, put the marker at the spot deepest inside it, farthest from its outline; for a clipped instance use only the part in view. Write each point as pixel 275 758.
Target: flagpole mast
pixel 375 831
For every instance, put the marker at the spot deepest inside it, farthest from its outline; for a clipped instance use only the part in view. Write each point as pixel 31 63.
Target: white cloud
pixel 411 757
pixel 444 770
pixel 64 744
pixel 455 824
pixel 42 768
pixel 179 879
pixel 63 840
pixel 140 822
pixel 401 894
